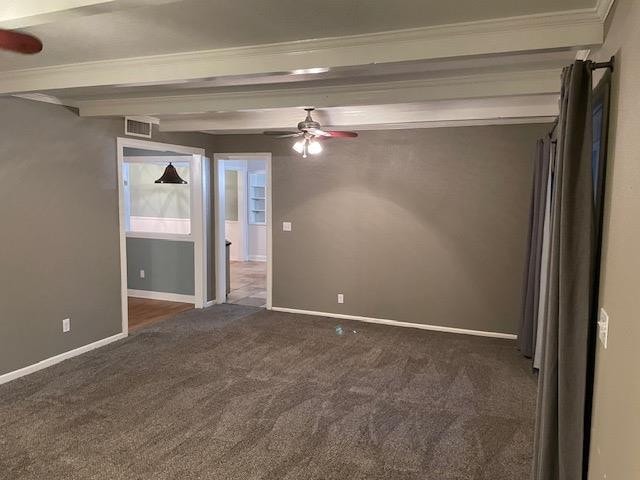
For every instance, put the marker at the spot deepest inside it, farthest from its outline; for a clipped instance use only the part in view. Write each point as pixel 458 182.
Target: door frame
pixel 243 218
pixel 199 210
pixel 219 222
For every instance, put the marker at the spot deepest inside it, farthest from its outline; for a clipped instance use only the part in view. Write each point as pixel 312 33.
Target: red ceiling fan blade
pixel 19 42
pixel 341 134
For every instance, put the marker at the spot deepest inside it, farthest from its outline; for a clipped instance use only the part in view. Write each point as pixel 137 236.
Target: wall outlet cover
pixel 286 226
pixel 141 273
pixel 340 298
pixel 66 325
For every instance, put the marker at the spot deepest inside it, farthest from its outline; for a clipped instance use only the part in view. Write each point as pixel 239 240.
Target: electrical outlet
pixel 340 298
pixel 66 325
pixel 141 273
pixel 286 226
pixel 603 327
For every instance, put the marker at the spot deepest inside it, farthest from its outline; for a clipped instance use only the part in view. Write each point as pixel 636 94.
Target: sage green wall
pixel 616 416
pixel 59 243
pixel 201 140
pixel 424 226
pixel 167 264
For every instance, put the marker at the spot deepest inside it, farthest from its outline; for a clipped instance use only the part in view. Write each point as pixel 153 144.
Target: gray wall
pixel 616 416
pixel 59 247
pixel 424 226
pixel 59 243
pixel 167 264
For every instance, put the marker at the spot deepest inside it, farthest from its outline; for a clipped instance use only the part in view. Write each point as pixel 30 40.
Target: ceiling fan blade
pixel 341 134
pixel 19 42
pixel 318 132
pixel 282 134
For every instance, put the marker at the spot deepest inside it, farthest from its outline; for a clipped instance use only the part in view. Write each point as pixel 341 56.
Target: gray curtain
pixel 544 262
pixel 531 285
pixel 560 422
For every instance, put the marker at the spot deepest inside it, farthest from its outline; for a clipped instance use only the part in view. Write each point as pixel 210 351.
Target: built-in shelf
pixel 257 198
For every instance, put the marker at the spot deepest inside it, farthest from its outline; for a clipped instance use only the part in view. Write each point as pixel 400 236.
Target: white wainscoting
pixel 181 226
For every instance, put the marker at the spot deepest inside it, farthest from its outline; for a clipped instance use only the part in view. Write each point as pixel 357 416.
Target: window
pixel 156 208
pixel 231 195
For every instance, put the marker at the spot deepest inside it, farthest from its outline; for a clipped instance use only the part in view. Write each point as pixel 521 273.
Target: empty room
pixel 359 240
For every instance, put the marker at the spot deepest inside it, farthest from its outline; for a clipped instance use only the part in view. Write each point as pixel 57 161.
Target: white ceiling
pixel 231 66
pixel 188 25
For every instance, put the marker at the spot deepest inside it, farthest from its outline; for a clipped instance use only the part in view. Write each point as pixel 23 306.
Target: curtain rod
pixel 593 66
pixel 553 127
pixel 610 64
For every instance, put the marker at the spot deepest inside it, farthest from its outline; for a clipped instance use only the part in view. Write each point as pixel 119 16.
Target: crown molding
pixel 603 8
pixel 569 29
pixel 405 91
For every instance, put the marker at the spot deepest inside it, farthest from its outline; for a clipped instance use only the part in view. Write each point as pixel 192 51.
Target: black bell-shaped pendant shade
pixel 170 175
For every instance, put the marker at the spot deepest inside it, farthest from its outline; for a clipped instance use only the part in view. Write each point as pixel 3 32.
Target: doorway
pixel 163 230
pixel 243 233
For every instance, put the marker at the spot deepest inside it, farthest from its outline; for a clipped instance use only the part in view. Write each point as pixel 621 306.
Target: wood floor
pixel 143 311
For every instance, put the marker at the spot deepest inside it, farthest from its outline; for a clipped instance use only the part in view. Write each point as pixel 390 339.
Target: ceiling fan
pixel 310 132
pixel 19 42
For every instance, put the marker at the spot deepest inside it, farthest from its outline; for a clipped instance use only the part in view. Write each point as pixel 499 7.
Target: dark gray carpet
pixel 237 393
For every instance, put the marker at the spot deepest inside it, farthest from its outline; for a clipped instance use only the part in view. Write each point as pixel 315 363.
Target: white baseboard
pixel 169 297
pixel 257 258
pixel 210 303
pixel 7 377
pixel 396 323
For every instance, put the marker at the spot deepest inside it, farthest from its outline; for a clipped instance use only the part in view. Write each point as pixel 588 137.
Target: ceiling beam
pixel 414 125
pixel 559 30
pixel 28 13
pixel 405 91
pixel 503 109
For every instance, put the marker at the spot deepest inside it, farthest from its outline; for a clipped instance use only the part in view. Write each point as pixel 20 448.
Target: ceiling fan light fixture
pixel 314 147
pixel 170 176
pixel 309 132
pixel 299 145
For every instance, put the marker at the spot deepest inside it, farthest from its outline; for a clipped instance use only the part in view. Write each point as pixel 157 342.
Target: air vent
pixel 137 127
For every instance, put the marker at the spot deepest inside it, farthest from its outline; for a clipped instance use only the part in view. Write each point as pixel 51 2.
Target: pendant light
pixel 170 175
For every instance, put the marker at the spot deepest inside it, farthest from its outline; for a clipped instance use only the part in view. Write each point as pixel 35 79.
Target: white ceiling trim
pixel 406 91
pixel 372 116
pixel 570 29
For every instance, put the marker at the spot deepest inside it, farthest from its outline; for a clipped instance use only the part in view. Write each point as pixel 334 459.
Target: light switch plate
pixel 141 273
pixel 340 298
pixel 66 325
pixel 286 226
pixel 603 327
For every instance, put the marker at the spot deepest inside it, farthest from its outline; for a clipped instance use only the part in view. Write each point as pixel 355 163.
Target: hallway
pixel 248 284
